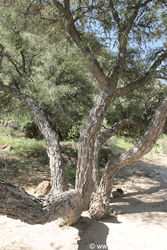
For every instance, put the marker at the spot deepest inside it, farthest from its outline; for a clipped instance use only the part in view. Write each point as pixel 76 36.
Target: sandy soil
pixel 139 220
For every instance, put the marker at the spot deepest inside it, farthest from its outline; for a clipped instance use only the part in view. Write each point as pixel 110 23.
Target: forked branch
pixel 140 149
pixel 129 88
pixel 146 142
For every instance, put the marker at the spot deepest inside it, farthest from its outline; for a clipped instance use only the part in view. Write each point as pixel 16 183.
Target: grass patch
pixel 30 154
pixel 119 144
pixel 70 174
pixel 22 145
pixel 26 154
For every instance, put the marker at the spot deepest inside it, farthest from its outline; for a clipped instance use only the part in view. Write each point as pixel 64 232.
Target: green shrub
pixel 70 174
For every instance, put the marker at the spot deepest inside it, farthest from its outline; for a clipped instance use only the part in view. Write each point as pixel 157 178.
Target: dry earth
pixel 139 220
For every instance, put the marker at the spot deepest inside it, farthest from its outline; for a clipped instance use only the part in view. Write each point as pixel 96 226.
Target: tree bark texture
pixel 85 179
pixel 100 199
pixel 100 140
pixel 58 176
pixel 65 208
pixel 87 168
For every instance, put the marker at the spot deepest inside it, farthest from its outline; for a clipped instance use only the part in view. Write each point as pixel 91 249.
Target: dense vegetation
pixel 87 71
pixel 35 35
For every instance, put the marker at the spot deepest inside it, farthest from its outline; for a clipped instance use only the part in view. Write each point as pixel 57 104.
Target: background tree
pixel 126 28
pixel 146 100
pixel 50 63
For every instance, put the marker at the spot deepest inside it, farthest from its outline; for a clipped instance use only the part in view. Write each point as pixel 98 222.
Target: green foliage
pixel 139 106
pixel 43 64
pixel 18 145
pixel 74 132
pixel 119 144
pixel 70 174
pixel 40 59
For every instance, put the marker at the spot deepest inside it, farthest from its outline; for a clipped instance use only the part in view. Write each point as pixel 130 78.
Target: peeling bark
pixel 84 179
pixel 65 208
pixel 102 195
pixel 58 176
pixel 101 139
pixel 90 192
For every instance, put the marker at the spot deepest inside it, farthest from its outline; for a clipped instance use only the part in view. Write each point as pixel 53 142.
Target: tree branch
pixel 58 176
pixel 59 6
pixel 66 207
pixel 67 4
pixel 23 62
pixel 146 142
pixel 1 54
pixel 141 148
pixel 101 139
pixel 32 105
pixel 141 82
pixel 14 64
pixel 106 134
pixel 81 13
pixel 115 15
pixel 95 67
pixel 123 39
pixel 162 77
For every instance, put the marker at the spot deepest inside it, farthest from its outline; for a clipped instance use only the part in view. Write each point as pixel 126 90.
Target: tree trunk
pixel 58 176
pixel 91 193
pixel 65 208
pixel 86 175
pixel 100 199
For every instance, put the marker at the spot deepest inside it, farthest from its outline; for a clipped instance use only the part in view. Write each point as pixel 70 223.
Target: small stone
pixel 8 148
pixel 119 190
pixel 43 188
pixel 116 194
pixel 3 145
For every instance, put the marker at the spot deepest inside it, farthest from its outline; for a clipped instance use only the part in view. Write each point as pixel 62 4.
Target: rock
pixel 119 190
pixel 118 193
pixel 43 188
pixel 119 212
pixel 8 148
pixel 3 145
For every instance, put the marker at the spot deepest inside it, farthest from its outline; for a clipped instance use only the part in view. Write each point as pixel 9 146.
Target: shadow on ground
pixel 93 233
pixel 145 193
pixel 144 201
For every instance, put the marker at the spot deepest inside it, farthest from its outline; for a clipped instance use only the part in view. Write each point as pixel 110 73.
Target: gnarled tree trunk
pixel 58 176
pixel 101 197
pixel 65 207
pixel 90 192
pixel 85 179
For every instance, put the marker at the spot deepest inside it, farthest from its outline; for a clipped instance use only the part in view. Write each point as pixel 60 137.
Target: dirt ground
pixel 139 220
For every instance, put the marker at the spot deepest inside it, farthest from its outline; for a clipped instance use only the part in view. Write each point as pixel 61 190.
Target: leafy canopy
pixel 40 61
pixel 39 57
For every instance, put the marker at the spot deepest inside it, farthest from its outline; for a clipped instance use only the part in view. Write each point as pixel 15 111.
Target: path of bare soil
pixel 139 220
